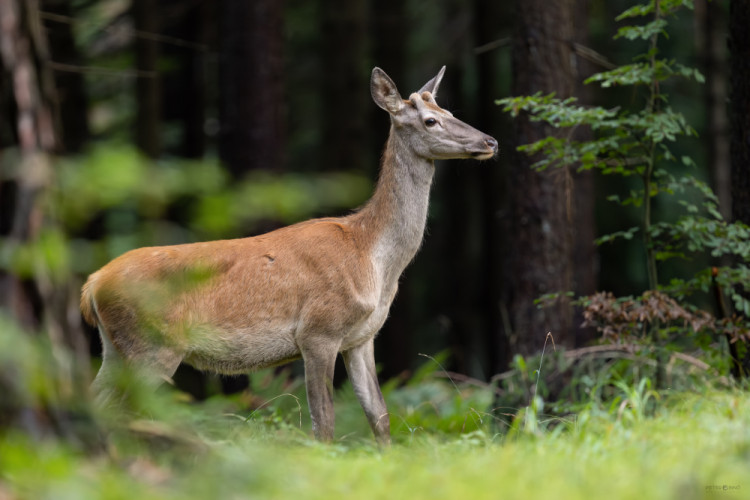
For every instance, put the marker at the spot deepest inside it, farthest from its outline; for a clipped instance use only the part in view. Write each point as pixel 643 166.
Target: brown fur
pixel 309 290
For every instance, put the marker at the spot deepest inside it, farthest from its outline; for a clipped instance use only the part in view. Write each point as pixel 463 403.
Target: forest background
pixel 135 123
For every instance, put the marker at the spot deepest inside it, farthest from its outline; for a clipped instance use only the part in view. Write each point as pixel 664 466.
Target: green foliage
pixel 639 143
pixel 141 202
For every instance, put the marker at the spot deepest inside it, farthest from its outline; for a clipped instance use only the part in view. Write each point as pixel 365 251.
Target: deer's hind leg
pixel 122 370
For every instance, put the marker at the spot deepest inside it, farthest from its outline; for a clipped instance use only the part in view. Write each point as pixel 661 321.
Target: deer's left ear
pixel 384 92
pixel 432 85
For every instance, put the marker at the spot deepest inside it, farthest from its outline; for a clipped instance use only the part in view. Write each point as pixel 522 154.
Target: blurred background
pixel 127 123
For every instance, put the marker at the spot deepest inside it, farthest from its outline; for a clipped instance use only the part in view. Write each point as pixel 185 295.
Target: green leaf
pixel 643 32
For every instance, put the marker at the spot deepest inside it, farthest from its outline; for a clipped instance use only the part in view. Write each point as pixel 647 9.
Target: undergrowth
pixel 561 426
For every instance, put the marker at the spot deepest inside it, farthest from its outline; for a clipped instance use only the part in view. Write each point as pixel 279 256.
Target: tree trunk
pixel 388 45
pixel 70 85
pixel 148 85
pixel 250 85
pixel 542 208
pixel 389 25
pixel 35 136
pixel 396 338
pixel 710 46
pixel 345 81
pixel 191 23
pixel 739 48
pixel 493 178
pixel 585 257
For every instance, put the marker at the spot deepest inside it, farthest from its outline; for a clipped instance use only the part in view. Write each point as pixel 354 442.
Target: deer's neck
pixel 396 215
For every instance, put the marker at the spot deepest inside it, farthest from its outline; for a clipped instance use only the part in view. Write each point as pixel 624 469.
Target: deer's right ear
pixel 384 92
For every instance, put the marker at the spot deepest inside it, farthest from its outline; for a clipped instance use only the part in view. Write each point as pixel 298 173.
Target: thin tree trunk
pixel 388 42
pixel 196 29
pixel 35 136
pixel 711 47
pixel 585 257
pixel 493 185
pixel 70 85
pixel 148 85
pixel 345 81
pixel 396 338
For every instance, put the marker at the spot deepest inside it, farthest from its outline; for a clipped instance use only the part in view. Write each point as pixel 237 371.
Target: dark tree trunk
pixel 456 244
pixel 739 46
pixel 711 48
pixel 542 209
pixel 389 38
pixel 196 28
pixel 70 85
pixel 396 339
pixel 250 85
pixel 493 185
pixel 148 85
pixel 185 90
pixel 585 256
pixel 346 101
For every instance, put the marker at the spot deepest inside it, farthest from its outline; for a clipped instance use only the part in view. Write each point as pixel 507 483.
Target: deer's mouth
pixel 483 155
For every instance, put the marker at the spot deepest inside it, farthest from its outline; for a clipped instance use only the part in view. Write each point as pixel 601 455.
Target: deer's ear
pixel 432 85
pixel 384 92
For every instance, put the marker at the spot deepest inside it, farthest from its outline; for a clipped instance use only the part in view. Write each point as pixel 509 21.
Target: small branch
pixel 98 70
pixel 690 360
pixel 593 56
pixel 495 44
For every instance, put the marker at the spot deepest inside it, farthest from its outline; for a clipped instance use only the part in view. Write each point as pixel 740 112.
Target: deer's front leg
pixel 320 360
pixel 360 364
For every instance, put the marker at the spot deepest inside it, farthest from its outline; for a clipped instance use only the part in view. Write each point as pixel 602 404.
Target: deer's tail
pixel 88 308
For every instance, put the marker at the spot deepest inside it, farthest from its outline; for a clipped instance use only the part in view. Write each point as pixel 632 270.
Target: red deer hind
pixel 310 290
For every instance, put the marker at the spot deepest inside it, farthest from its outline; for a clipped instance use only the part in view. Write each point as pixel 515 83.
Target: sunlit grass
pixel 695 442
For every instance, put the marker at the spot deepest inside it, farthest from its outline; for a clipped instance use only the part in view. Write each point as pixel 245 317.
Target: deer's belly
pixel 233 352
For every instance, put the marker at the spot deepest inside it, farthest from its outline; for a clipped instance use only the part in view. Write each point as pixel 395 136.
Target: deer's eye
pixel 430 122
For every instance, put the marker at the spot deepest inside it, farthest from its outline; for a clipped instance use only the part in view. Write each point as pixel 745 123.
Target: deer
pixel 310 290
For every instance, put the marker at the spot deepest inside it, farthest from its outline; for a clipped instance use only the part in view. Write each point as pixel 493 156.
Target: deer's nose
pixel 491 143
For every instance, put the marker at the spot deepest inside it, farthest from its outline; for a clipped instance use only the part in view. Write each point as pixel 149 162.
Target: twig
pixel 145 35
pixel 471 381
pixel 442 368
pixel 541 359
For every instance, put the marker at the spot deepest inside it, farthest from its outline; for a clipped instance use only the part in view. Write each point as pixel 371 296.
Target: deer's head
pixel 429 130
